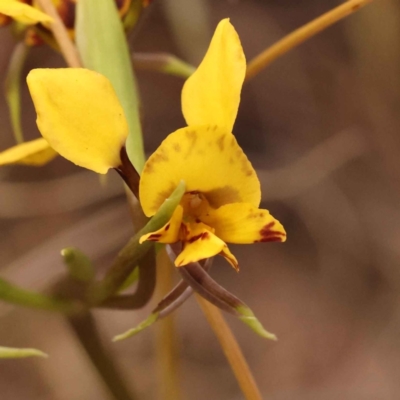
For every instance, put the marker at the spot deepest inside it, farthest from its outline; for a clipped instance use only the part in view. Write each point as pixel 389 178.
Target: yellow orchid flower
pixel 22 12
pixel 223 191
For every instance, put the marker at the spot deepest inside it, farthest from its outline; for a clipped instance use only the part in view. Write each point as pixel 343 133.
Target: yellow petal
pixel 209 160
pixel 199 244
pixel 212 94
pixel 244 223
pixel 225 252
pixel 36 153
pixel 80 116
pixel 169 233
pixel 23 13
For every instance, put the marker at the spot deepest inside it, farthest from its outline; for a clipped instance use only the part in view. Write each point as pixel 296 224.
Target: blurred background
pixel 321 126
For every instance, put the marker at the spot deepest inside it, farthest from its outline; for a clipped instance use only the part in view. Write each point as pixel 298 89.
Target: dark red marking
pixel 267 228
pixel 268 235
pixel 167 227
pixel 155 236
pixel 201 236
pixel 220 142
pixel 270 238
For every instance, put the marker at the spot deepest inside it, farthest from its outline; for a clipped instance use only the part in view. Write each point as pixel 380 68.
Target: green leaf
pixel 103 47
pixel 78 264
pixel 13 88
pixel 9 352
pixel 129 256
pixel 131 332
pixel 15 295
pixel 209 289
pixel 251 321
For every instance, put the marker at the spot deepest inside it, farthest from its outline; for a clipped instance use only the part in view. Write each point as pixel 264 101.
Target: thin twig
pixel 231 349
pixel 85 329
pixel 60 33
pixel 301 35
pixel 166 343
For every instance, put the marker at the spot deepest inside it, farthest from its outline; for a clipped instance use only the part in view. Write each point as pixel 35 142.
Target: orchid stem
pixel 231 350
pixel 301 35
pixel 13 87
pixel 67 48
pixel 166 345
pixel 163 62
pixel 22 297
pixel 86 331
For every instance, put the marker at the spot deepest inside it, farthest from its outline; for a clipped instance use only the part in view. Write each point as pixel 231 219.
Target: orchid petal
pixel 212 94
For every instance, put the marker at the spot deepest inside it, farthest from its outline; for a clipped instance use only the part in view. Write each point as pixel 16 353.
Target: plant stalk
pixel 60 33
pixel 166 343
pixel 85 329
pixel 301 35
pixel 231 350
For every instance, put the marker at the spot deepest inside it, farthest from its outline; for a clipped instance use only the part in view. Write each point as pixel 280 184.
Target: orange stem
pixel 231 349
pixel 301 35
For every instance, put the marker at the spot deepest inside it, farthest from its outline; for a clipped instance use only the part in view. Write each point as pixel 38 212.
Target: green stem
pixel 13 88
pixel 167 351
pixel 86 331
pixel 164 63
pixel 129 256
pixel 15 295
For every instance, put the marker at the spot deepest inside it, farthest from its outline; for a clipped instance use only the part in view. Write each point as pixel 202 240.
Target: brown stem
pixel 68 49
pixel 231 350
pixel 203 284
pixel 85 329
pixel 128 173
pixel 145 288
pixel 167 351
pixel 301 35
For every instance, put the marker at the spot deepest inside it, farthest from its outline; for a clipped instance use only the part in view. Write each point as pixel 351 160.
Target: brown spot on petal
pixel 176 147
pixel 167 227
pixel 192 137
pixel 149 167
pixel 220 142
pixel 160 156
